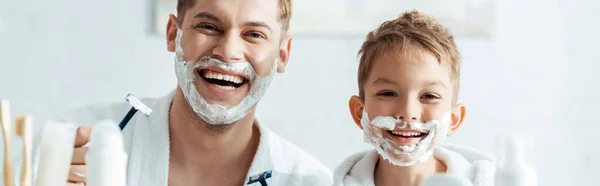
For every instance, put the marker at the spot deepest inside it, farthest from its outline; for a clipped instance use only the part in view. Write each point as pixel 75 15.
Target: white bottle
pixel 446 180
pixel 56 151
pixel 515 171
pixel 106 159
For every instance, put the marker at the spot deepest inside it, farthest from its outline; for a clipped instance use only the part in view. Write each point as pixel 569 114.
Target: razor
pixel 260 178
pixel 136 105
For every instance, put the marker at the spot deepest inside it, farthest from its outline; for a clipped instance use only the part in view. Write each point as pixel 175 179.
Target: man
pixel 205 131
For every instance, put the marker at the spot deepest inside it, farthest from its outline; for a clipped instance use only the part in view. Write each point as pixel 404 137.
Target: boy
pixel 408 81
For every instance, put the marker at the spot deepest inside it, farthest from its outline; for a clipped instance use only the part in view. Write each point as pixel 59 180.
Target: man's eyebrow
pixel 207 15
pixel 213 17
pixel 259 24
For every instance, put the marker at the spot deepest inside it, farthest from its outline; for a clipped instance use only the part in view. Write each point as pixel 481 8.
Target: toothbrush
pixel 5 120
pixel 23 129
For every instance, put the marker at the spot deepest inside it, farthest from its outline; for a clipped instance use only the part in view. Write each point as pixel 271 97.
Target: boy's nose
pixel 407 111
pixel 406 118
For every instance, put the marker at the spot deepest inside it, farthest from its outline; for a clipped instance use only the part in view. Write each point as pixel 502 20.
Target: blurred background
pixel 528 67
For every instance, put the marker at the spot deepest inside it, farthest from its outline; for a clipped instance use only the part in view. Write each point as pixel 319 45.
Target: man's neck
pixel 197 149
pixel 387 174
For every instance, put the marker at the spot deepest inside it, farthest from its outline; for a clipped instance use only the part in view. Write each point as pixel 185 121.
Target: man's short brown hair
pixel 285 11
pixel 411 29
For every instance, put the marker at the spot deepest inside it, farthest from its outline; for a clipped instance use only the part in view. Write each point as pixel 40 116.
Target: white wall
pixel 536 77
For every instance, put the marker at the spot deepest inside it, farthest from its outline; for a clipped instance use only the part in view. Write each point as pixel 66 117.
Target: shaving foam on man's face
pixel 407 142
pixel 222 78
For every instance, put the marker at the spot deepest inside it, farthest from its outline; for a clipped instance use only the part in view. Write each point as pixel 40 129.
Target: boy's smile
pixel 405 137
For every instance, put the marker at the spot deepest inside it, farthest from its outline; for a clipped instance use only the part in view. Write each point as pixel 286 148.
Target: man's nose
pixel 230 48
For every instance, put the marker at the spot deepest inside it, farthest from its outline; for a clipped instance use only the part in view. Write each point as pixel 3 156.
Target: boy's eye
pixel 387 94
pixel 429 96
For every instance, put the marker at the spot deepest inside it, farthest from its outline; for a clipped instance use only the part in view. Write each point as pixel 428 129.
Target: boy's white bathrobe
pixel 359 168
pixel 146 141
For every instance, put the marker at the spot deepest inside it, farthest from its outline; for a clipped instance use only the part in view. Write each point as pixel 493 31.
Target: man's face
pixel 231 31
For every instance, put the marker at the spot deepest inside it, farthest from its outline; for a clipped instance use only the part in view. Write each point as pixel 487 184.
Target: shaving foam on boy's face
pixel 429 134
pixel 214 113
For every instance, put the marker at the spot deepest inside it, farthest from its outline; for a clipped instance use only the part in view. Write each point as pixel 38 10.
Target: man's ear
pixel 458 116
pixel 172 27
pixel 356 106
pixel 284 53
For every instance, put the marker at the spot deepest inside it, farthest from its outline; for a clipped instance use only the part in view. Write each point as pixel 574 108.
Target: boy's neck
pixel 387 174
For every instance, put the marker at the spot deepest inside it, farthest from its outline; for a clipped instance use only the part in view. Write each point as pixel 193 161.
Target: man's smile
pixel 222 80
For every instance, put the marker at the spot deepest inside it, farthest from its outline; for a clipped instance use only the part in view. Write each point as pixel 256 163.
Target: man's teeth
pixel 406 134
pixel 225 77
pixel 226 87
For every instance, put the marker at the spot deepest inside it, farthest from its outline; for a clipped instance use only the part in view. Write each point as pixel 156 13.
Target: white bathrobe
pixel 359 168
pixel 146 141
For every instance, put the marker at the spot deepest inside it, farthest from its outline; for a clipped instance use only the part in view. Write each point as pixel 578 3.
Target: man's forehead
pixel 237 10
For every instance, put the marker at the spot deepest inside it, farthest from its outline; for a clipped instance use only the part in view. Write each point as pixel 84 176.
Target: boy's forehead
pixel 418 64
pixel 407 54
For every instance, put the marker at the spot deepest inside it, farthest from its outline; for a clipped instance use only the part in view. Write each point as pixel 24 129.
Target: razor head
pixel 138 105
pixel 262 178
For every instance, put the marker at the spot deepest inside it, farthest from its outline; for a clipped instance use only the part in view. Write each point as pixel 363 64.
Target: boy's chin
pixel 408 158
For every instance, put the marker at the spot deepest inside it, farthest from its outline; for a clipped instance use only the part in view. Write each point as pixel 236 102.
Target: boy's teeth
pixel 406 134
pixel 225 77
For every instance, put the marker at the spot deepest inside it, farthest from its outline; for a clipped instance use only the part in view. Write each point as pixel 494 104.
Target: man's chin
pixel 218 128
pixel 227 102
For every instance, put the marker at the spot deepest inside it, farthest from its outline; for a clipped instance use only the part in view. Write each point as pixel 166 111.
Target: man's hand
pixel 78 170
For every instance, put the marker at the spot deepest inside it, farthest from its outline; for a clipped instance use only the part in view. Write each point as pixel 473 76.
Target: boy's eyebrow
pixel 433 83
pixel 382 80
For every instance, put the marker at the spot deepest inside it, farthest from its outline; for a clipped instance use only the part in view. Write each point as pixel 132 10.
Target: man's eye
pixel 207 27
pixel 255 35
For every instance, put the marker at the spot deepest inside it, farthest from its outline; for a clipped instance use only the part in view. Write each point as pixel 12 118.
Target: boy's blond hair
pixel 411 29
pixel 285 11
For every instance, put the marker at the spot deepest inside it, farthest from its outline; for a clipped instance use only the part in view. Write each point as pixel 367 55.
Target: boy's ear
pixel 356 109
pixel 458 116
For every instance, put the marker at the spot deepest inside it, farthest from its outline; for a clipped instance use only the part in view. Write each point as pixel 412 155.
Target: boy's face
pixel 411 87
